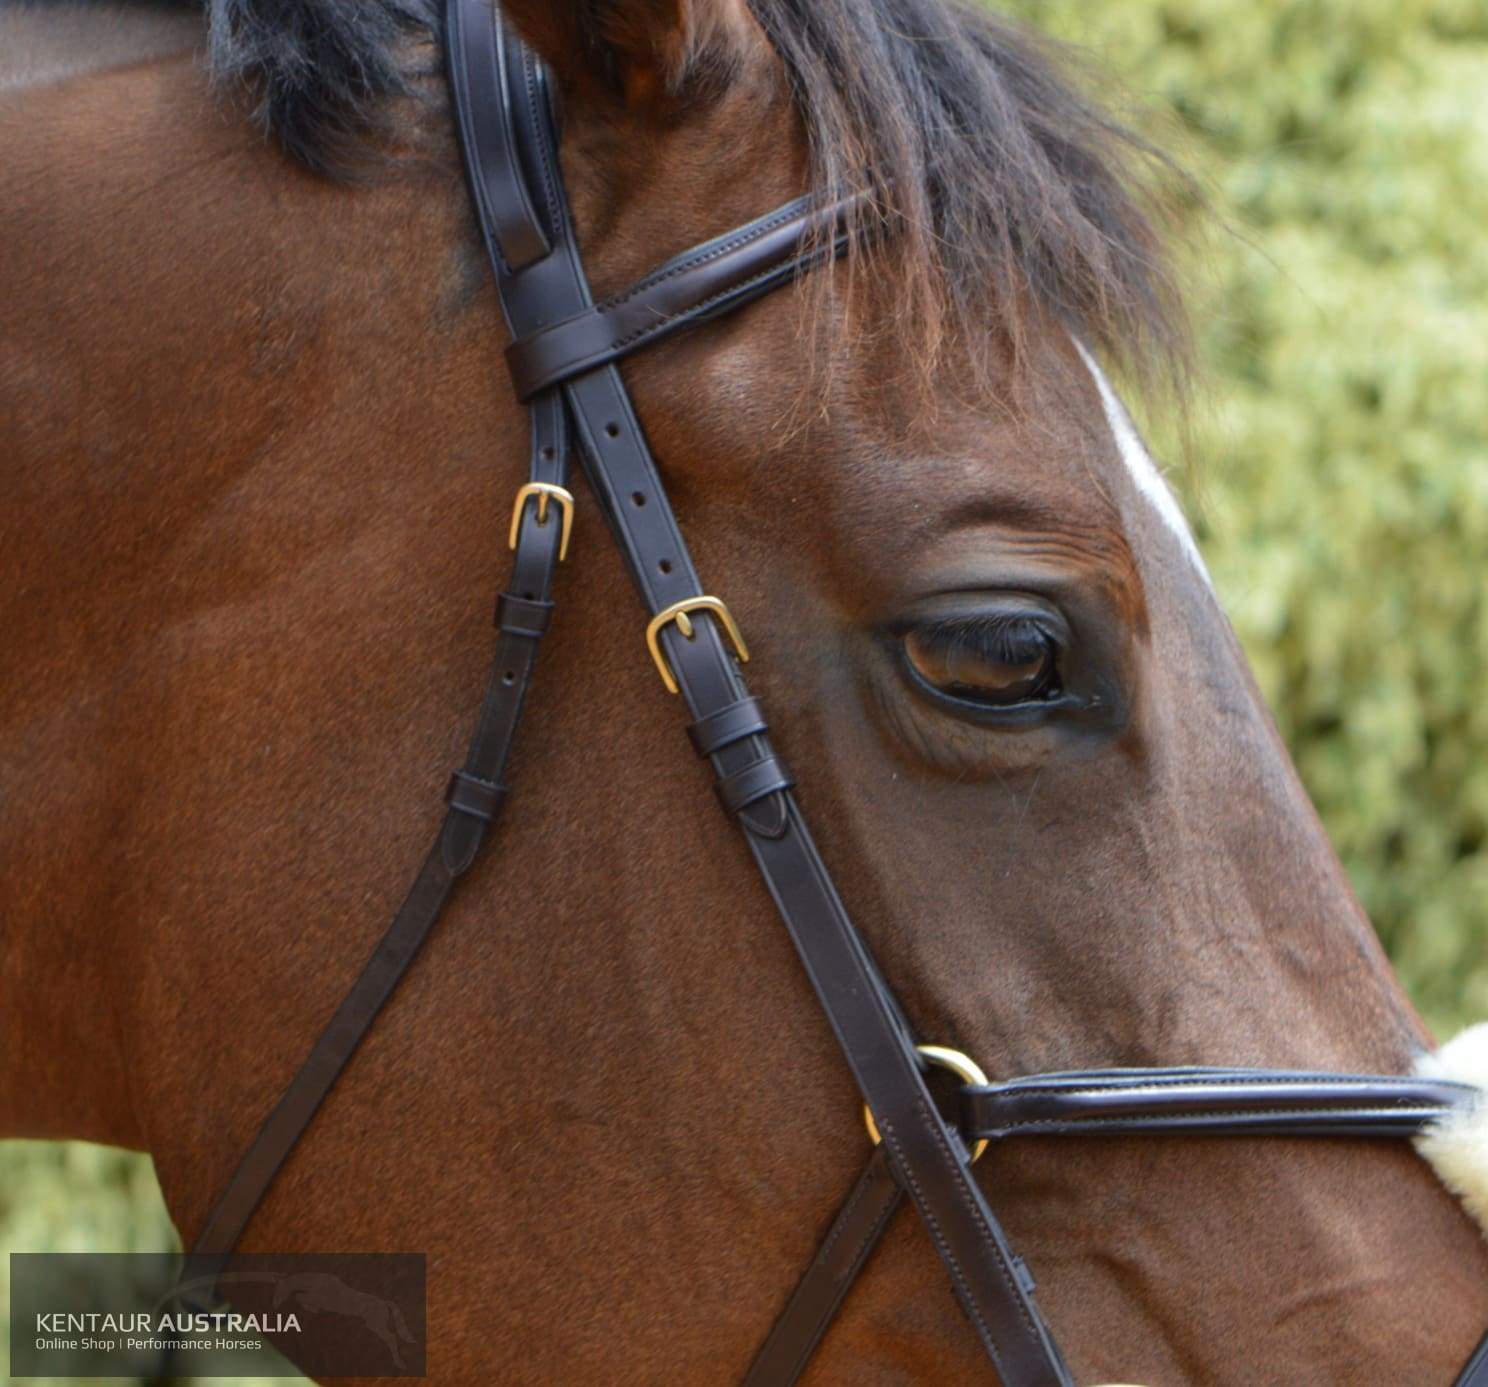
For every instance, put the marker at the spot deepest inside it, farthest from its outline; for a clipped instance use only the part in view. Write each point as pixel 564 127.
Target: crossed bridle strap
pixel 511 149
pixel 1179 1102
pixel 561 337
pixel 709 280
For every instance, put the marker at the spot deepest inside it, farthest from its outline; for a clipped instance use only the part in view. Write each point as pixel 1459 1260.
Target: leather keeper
pixel 482 799
pixel 519 616
pixel 727 726
pixel 756 780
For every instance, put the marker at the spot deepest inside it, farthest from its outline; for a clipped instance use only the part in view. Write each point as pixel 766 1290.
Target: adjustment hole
pixel 637 498
pixel 529 597
pixel 665 565
pixel 510 677
pixel 613 430
pixel 548 454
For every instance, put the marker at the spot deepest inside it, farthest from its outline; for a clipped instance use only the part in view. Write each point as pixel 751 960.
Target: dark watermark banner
pixel 75 1314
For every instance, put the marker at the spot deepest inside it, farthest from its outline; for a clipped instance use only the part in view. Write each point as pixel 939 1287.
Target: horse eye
pixel 996 663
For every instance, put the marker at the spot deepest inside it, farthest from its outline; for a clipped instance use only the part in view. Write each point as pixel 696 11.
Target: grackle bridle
pixel 562 361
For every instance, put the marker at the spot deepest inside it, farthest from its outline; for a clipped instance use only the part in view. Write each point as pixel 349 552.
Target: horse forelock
pixel 998 176
pixel 323 72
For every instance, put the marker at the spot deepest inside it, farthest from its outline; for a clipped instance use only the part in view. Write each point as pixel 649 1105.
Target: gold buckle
pixel 544 490
pixel 962 1066
pixel 678 612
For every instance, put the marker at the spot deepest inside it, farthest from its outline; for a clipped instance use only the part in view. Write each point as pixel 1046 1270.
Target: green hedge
pixel 1342 464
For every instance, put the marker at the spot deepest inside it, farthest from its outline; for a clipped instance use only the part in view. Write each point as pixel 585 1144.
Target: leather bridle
pixel 562 361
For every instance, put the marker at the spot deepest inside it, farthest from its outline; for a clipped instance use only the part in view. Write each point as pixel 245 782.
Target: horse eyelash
pixel 999 638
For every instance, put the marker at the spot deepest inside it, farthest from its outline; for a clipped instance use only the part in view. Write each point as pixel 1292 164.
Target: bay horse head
pixel 260 449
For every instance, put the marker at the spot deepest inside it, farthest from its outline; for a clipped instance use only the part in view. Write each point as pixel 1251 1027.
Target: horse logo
pixel 320 1293
pixel 306 1293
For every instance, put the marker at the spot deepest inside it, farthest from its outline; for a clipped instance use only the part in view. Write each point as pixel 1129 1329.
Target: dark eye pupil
pixel 1017 667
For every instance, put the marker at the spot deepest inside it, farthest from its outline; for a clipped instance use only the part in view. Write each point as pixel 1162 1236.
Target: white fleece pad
pixel 1457 1146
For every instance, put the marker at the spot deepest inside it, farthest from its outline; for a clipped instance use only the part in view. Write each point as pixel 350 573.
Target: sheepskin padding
pixel 1457 1146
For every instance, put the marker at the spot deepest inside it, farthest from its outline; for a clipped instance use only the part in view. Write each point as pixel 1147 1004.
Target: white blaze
pixel 1140 464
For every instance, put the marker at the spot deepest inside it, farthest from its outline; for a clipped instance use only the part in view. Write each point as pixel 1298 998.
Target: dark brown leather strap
pixel 510 224
pixel 752 783
pixel 867 1023
pixel 1193 1102
pixel 1115 1102
pixel 474 794
pixel 1475 1374
pixel 844 1251
pixel 475 797
pixel 727 726
pixel 1208 1102
pixel 701 284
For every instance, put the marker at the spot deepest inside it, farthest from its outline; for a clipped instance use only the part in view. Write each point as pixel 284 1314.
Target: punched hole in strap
pixel 728 725
pixel 482 799
pixel 522 616
pixel 753 782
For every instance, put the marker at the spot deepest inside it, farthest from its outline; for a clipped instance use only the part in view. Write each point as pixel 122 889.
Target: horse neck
pixel 189 451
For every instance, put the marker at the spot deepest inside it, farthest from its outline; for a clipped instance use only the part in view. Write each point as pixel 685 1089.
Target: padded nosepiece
pixel 1457 1145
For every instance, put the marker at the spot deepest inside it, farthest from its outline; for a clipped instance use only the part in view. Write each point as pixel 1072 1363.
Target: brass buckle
pixel 962 1066
pixel 543 490
pixel 678 612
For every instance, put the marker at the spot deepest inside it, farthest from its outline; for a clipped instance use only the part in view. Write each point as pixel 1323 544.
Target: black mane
pixel 1002 182
pixel 322 70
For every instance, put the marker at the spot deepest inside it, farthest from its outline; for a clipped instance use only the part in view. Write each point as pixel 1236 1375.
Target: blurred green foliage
pixel 1342 497
pixel 76 1197
pixel 1341 487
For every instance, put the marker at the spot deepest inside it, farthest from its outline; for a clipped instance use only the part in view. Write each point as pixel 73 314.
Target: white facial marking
pixel 1140 464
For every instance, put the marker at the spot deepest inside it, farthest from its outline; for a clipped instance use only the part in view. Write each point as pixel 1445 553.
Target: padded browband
pixel 702 283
